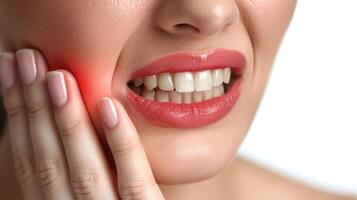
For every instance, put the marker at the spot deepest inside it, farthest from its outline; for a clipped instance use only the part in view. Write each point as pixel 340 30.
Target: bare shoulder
pixel 255 182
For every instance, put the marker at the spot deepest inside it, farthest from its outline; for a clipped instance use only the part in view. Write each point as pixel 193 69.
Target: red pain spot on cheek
pixel 93 84
pixel 93 81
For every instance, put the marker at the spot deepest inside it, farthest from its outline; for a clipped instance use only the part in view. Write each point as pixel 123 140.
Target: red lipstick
pixel 192 115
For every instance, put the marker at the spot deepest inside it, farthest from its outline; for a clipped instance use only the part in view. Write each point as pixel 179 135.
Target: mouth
pixel 188 90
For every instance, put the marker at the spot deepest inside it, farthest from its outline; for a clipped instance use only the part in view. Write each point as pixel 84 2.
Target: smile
pixel 183 87
pixel 188 90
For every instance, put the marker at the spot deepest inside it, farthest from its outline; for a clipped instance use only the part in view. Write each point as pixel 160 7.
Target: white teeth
pixel 175 97
pixel 150 82
pixel 226 75
pixel 217 77
pixel 197 97
pixel 203 80
pixel 187 97
pixel 183 87
pixel 218 91
pixel 162 96
pixel 166 82
pixel 149 94
pixel 207 95
pixel 138 82
pixel 184 82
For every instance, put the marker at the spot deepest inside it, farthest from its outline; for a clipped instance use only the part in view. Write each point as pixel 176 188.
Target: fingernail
pixel 7 67
pixel 108 112
pixel 57 88
pixel 27 65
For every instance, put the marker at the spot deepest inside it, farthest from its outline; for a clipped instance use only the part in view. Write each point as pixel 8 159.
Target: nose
pixel 196 17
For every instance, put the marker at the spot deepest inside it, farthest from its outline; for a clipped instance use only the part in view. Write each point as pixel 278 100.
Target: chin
pixel 189 167
pixel 181 156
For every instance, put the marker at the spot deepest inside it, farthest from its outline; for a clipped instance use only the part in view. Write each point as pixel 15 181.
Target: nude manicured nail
pixel 7 67
pixel 57 88
pixel 27 65
pixel 108 112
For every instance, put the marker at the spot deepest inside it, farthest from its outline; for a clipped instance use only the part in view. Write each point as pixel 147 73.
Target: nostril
pixel 186 27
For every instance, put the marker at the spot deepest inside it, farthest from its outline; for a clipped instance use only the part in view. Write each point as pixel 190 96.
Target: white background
pixel 306 126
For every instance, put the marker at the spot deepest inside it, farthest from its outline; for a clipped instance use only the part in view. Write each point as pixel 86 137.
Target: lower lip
pixel 173 115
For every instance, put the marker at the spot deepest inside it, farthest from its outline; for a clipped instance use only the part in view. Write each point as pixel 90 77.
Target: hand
pixel 54 144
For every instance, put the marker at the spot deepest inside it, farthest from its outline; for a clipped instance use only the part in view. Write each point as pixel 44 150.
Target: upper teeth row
pixel 186 81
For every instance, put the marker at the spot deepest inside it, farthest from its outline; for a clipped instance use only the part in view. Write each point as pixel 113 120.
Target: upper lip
pixel 192 62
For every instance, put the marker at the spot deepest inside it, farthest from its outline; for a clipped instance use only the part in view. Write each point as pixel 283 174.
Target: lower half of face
pixel 190 74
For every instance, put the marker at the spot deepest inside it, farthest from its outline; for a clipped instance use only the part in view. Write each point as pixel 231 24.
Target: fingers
pixel 18 125
pixel 135 178
pixel 89 173
pixel 49 157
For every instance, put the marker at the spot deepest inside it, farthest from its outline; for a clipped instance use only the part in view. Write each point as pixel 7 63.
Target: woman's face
pixel 105 42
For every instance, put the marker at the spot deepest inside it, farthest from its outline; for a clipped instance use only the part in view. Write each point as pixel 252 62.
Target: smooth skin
pixel 57 154
pixel 37 130
pixel 103 42
pixel 97 44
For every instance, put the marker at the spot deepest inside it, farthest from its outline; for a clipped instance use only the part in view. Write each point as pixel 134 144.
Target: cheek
pixel 260 16
pixel 87 45
pixel 85 40
pixel 83 37
pixel 94 82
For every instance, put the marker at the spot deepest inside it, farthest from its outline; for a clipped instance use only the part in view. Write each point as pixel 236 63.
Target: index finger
pixel 135 178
